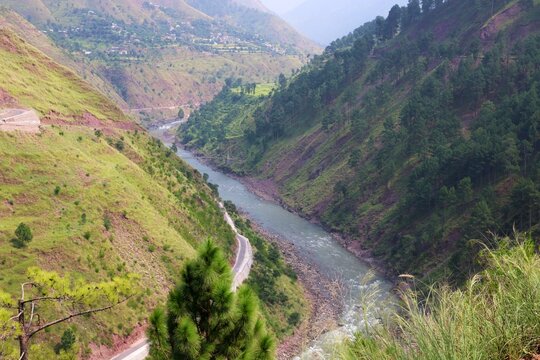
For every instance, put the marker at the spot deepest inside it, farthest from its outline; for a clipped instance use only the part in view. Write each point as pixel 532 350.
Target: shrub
pixel 294 319
pixel 119 145
pixel 66 342
pixel 23 236
pixel 57 190
pixel 107 223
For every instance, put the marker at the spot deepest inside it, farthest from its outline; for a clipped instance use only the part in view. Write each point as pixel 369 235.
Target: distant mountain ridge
pixel 323 21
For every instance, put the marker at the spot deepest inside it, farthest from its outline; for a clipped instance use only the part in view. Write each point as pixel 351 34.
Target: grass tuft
pixel 495 316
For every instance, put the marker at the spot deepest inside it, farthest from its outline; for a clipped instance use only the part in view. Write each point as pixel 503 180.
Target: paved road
pixel 244 255
pixel 19 120
pixel 137 351
pixel 241 269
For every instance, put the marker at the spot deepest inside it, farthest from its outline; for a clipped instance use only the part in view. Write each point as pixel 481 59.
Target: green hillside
pixel 411 136
pixel 16 23
pixel 154 57
pixel 101 197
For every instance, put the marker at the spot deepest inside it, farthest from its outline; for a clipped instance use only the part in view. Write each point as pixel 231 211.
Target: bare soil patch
pixel 494 25
pixel 120 344
pixel 89 120
pixel 6 100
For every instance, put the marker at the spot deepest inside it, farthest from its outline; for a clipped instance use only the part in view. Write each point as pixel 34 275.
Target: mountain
pixel 411 137
pixel 324 21
pixel 254 4
pixel 184 49
pixel 102 199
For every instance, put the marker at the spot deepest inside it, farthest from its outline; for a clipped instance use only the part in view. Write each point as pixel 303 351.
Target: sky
pixel 326 20
pixel 283 6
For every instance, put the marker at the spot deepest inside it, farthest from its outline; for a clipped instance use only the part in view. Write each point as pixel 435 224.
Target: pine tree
pixel 205 319
pixel 391 24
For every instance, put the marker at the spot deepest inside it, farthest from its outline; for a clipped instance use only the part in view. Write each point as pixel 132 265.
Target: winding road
pixel 241 269
pixel 244 254
pixel 19 120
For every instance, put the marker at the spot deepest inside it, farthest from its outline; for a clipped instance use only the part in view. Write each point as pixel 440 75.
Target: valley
pixel 102 200
pixel 341 274
pixel 392 139
pixel 195 179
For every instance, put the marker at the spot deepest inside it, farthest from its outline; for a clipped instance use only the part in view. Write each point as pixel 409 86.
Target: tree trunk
pixel 23 346
pixel 23 338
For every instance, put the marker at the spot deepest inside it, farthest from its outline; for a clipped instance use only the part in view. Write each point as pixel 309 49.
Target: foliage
pixel 66 342
pixel 73 296
pixel 205 319
pixel 402 131
pixel 181 113
pixel 23 236
pixel 493 317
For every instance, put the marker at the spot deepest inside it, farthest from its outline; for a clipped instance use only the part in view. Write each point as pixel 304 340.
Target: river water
pixel 367 294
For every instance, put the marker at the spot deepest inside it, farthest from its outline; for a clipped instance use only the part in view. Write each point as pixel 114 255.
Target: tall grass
pixel 495 316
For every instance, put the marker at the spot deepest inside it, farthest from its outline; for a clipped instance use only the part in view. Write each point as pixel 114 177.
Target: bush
pixel 294 319
pixel 23 236
pixel 107 223
pixel 57 190
pixel 67 341
pixel 119 145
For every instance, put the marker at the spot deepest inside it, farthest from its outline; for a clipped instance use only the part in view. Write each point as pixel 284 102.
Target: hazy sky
pixel 283 6
pixel 326 20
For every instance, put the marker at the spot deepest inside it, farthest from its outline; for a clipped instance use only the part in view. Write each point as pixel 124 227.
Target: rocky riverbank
pixel 323 293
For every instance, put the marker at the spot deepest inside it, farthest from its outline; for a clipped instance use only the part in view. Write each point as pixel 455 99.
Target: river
pixel 368 294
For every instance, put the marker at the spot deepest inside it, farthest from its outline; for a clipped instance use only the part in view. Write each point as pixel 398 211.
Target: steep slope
pixel 102 199
pixel 410 143
pixel 13 21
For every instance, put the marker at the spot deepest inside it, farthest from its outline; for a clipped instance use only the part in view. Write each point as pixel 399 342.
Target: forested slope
pixel 412 136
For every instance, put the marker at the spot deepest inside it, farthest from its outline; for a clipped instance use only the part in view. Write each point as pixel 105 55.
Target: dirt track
pixel 19 120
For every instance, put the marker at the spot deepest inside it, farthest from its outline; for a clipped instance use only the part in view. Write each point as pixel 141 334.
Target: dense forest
pixel 413 135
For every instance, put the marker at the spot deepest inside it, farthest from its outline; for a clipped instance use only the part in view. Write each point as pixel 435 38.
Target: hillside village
pixel 100 36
